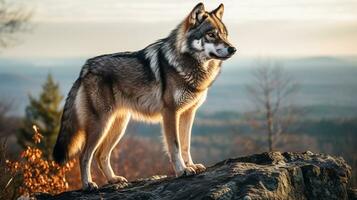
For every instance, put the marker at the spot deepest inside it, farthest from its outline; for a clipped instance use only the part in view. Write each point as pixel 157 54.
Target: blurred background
pixel 292 86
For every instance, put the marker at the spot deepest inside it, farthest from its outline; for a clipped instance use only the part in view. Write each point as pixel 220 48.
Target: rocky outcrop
pixel 271 175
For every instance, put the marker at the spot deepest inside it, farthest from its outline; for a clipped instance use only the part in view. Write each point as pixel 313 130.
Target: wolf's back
pixel 69 127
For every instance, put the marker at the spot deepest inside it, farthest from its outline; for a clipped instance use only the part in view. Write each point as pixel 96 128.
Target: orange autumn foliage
pixel 37 173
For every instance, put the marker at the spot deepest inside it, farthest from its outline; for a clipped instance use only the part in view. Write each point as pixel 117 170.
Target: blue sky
pixel 72 28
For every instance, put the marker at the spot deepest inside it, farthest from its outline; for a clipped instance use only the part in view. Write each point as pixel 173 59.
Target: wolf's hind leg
pixel 105 149
pixel 94 135
pixel 185 125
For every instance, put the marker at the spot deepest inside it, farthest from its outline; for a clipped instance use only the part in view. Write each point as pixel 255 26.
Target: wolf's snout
pixel 231 50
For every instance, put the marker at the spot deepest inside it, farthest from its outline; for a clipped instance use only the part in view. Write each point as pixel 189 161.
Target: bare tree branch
pixel 271 90
pixel 13 19
pixel 5 107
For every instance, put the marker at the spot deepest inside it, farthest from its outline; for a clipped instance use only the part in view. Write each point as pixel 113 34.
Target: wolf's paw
pixel 199 168
pixel 188 171
pixel 118 179
pixel 90 186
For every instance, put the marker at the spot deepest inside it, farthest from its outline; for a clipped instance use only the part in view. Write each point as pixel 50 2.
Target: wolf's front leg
pixel 171 135
pixel 185 128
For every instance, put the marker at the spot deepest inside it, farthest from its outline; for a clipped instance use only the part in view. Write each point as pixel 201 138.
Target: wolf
pixel 165 82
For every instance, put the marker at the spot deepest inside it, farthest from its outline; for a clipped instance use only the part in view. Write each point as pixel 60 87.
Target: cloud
pixel 277 27
pixel 168 10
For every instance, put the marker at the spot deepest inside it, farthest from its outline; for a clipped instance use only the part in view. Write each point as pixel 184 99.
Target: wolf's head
pixel 203 34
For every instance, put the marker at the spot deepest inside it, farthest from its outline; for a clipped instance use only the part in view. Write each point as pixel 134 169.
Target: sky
pixel 81 28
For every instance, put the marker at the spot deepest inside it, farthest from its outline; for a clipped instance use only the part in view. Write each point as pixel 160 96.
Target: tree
pixel 45 113
pixel 13 19
pixel 271 91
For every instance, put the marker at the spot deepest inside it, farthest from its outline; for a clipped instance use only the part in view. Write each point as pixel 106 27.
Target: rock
pixel 272 175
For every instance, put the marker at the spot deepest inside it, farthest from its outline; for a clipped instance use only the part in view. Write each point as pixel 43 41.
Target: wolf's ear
pixel 219 11
pixel 196 14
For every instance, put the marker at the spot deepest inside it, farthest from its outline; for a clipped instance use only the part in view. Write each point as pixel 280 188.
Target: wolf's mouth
pixel 219 57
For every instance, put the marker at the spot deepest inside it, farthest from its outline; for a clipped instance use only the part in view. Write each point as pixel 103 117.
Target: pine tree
pixel 45 113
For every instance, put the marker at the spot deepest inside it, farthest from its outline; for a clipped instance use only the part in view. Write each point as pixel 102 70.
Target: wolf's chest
pixel 184 98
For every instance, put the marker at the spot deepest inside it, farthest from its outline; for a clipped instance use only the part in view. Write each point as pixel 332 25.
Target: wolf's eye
pixel 211 35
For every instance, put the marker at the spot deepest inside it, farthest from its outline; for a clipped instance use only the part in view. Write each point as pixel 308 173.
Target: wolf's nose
pixel 231 50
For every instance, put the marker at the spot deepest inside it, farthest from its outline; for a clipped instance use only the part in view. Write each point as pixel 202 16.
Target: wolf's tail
pixel 69 139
